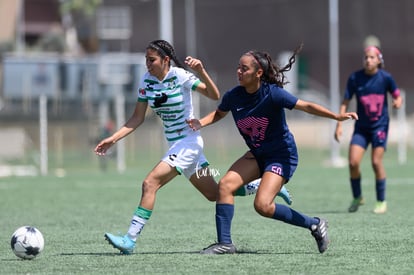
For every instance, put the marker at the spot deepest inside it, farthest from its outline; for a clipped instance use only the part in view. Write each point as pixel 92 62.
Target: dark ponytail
pixel 272 73
pixel 165 49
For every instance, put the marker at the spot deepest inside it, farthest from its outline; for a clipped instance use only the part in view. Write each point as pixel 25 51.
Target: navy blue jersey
pixel 371 94
pixel 260 118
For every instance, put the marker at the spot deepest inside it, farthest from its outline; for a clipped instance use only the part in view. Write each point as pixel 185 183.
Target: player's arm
pixel 396 99
pixel 213 117
pixel 318 110
pixel 342 110
pixel 136 119
pixel 207 87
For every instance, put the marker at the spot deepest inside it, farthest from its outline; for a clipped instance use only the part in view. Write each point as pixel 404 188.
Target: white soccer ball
pixel 27 242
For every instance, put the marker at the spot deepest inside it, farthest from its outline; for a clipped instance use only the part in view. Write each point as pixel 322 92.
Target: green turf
pixel 75 211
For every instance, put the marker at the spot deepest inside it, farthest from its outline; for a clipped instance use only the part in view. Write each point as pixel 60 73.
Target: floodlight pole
pixel 165 20
pixel 191 45
pixel 190 28
pixel 402 128
pixel 334 75
pixel 20 28
pixel 120 119
pixel 43 134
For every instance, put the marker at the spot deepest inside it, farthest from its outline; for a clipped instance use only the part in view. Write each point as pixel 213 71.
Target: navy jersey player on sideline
pixel 257 106
pixel 370 86
pixel 167 90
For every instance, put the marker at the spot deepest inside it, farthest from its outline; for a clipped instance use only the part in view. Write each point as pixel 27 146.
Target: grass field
pixel 74 212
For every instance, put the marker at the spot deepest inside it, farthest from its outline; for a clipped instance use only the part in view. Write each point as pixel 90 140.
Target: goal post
pixel 43 134
pixel 402 127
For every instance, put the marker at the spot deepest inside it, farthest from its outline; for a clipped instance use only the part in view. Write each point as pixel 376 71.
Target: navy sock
pixel 356 187
pixel 288 215
pixel 380 188
pixel 224 216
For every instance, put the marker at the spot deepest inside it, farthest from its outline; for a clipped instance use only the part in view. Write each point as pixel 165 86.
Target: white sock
pixel 251 187
pixel 137 224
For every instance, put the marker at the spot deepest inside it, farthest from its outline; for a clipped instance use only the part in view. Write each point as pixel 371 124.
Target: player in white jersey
pixel 167 90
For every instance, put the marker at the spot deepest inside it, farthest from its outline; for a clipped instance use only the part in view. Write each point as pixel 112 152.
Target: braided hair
pixel 163 48
pixel 272 73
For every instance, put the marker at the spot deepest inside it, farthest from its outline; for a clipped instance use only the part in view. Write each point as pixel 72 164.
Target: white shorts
pixel 187 155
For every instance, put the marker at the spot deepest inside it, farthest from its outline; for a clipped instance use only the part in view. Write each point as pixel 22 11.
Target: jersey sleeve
pixel 142 95
pixel 283 98
pixel 392 87
pixel 188 79
pixel 225 102
pixel 350 88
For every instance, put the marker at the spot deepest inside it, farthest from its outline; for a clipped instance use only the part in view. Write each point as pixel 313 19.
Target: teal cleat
pixel 123 243
pixel 285 195
pixel 252 187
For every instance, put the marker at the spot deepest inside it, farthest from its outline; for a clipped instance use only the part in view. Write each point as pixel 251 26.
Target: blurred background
pixel 70 68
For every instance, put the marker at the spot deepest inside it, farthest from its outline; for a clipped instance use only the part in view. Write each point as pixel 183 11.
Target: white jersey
pixel 171 100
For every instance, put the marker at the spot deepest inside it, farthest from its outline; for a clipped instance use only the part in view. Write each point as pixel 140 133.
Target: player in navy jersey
pixel 167 90
pixel 257 106
pixel 370 86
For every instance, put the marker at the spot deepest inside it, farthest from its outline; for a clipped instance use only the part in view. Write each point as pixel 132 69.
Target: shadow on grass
pixel 113 254
pixel 345 211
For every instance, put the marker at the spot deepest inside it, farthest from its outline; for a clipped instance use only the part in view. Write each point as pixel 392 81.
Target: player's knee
pixel 353 165
pixel 376 165
pixel 263 209
pixel 225 187
pixel 149 186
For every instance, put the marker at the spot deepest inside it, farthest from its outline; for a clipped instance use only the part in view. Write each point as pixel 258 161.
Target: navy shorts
pixel 377 137
pixel 282 164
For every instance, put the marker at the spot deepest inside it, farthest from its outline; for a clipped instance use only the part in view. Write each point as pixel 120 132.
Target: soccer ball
pixel 27 242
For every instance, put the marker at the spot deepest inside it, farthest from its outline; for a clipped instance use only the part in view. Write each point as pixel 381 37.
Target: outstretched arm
pixel 133 122
pixel 318 110
pixel 213 117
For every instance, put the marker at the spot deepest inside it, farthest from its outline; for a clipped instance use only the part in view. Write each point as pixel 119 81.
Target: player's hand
pixel 194 63
pixel 346 116
pixel 103 146
pixel 397 102
pixel 194 124
pixel 342 117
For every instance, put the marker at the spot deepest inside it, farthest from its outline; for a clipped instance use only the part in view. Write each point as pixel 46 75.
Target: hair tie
pixel 375 49
pixel 377 52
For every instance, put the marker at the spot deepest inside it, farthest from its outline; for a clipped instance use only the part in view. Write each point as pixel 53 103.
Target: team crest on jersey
pixel 170 85
pixel 142 91
pixel 254 128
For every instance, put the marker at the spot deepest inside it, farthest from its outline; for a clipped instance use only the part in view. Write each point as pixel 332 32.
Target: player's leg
pixel 158 177
pixel 245 169
pixel 251 188
pixel 356 152
pixel 380 179
pixel 377 163
pixel 201 175
pixel 379 143
pixel 264 205
pixel 204 182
